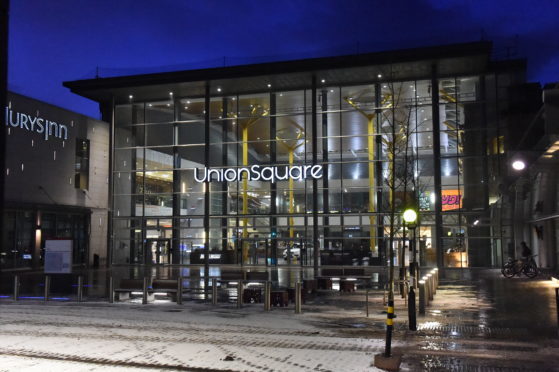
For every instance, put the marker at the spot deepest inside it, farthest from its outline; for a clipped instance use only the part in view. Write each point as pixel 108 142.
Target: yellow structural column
pixel 244 127
pixel 372 196
pixel 291 154
pixel 300 134
pixel 385 103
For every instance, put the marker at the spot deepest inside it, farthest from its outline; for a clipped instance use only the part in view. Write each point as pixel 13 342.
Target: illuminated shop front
pixel 297 162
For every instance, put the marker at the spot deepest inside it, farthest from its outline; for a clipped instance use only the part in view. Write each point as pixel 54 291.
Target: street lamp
pixel 410 217
pixel 518 165
pixel 410 221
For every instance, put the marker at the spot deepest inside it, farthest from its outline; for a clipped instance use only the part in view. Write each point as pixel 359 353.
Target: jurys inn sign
pixel 36 124
pixel 258 173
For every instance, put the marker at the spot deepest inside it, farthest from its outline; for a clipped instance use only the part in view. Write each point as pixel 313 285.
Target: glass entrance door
pixel 294 251
pixel 158 251
pixel 255 251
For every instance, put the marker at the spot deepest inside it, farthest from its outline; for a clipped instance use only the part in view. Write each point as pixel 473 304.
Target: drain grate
pixel 438 363
pixel 464 330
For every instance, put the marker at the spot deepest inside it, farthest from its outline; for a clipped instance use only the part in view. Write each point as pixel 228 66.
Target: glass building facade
pixel 426 130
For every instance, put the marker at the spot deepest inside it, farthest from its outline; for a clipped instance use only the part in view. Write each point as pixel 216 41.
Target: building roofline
pixel 509 64
pixel 303 65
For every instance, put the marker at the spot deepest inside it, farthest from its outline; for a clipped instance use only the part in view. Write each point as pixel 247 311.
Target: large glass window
pixel 375 142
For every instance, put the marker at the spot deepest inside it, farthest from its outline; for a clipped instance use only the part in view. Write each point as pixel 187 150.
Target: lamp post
pixel 410 221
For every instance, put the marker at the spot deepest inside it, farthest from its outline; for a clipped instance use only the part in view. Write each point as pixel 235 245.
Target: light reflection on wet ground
pixel 479 321
pixel 488 323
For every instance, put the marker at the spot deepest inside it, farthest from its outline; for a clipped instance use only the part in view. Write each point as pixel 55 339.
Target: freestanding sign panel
pixel 58 256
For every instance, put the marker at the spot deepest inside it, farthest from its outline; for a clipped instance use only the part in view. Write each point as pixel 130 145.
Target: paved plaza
pixel 477 322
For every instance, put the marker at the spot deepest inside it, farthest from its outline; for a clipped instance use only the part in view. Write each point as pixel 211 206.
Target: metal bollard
pixel 402 284
pixel 80 288
pixel 367 302
pixel 145 291
pixel 239 294
pixel 111 290
pixel 557 304
pixel 298 298
pixel 384 303
pixel 430 284
pixel 436 278
pixel 406 294
pixel 16 287
pixel 179 290
pixel 426 281
pixel 214 291
pixel 267 294
pixel 422 296
pixel 47 287
pixel 411 310
pixel 433 275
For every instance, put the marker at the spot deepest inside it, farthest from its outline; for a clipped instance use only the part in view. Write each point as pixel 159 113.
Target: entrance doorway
pixel 294 251
pixel 158 251
pixel 255 251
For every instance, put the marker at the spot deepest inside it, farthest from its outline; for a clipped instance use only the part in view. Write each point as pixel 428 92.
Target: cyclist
pixel 526 251
pixel 526 265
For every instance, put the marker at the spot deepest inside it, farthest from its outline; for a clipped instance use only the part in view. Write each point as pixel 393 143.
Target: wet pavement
pixel 478 321
pixel 485 322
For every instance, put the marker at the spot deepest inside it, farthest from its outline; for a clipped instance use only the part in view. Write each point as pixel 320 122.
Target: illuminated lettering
pixel 258 173
pixel 36 124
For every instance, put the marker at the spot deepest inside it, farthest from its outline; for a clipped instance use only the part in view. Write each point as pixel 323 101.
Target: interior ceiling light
pixel 269 85
pixel 170 93
pixel 130 96
pixel 379 76
pixel 323 81
pixel 219 89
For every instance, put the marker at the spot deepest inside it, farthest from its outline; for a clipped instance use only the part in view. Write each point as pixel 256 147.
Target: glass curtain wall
pixel 374 142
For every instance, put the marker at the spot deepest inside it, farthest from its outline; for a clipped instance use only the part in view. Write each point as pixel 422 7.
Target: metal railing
pixel 208 289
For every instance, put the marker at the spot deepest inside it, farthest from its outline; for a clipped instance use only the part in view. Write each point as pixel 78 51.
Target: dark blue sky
pixel 58 40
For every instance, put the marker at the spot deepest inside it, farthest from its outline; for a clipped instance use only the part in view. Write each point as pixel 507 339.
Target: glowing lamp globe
pixel 410 216
pixel 518 165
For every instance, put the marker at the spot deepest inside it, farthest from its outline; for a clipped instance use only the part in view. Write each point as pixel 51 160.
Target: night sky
pixel 59 40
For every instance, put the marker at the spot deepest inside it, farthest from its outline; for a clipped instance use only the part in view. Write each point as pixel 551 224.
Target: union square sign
pixel 258 173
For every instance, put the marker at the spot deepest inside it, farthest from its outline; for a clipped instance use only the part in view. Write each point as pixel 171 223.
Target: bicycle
pixel 527 267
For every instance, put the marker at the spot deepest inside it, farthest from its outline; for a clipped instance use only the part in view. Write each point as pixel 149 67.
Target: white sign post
pixel 58 256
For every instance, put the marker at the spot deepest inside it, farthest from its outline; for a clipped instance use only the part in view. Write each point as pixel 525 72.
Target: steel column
pixel 437 164
pixel 206 190
pixel 314 141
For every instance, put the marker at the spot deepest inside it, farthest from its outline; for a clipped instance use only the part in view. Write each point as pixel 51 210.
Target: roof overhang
pixel 399 65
